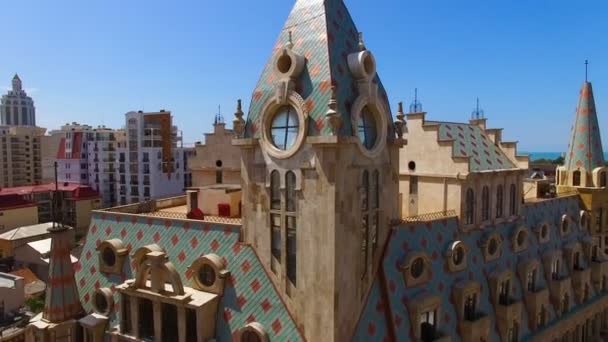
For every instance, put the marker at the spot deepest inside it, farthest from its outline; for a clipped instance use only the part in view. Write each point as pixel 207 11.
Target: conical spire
pixel 323 32
pixel 585 148
pixel 62 302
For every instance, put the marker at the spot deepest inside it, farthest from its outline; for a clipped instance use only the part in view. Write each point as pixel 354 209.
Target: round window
pixel 108 256
pixel 521 237
pixel 101 303
pixel 206 275
pixel 284 63
pixel 367 128
pixel 458 255
pixel 412 166
pixel 218 163
pixel 493 246
pixel 284 128
pixel 417 267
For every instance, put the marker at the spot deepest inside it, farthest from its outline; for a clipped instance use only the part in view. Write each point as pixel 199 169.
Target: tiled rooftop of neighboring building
pixel 27 231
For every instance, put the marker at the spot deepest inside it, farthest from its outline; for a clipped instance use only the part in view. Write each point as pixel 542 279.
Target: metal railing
pixel 430 216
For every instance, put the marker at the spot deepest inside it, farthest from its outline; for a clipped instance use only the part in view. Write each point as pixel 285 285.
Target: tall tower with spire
pixel 584 167
pixel 16 108
pixel 319 168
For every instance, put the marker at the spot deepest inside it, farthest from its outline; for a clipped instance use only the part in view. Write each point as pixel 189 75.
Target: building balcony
pixel 109 170
pixel 537 302
pixel 477 329
pixel 580 279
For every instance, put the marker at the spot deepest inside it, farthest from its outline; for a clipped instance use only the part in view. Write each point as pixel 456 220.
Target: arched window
pixel 470 207
pixel 290 231
pixel 576 178
pixel 602 179
pixel 499 201
pixel 485 203
pixel 364 221
pixel 512 200
pixel 275 217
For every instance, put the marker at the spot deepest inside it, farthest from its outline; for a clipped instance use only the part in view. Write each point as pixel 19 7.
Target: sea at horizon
pixel 549 155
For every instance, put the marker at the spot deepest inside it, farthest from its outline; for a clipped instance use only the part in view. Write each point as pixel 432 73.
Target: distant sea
pixel 549 155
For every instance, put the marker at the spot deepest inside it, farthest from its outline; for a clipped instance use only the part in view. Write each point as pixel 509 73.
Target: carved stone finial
pixel 239 123
pixel 400 122
pixel 332 117
pixel 361 44
pixel 289 44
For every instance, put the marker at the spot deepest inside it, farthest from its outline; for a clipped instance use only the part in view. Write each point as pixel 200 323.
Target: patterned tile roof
pixel 433 238
pixel 585 147
pixel 61 302
pixel 472 142
pixel 324 33
pixel 249 294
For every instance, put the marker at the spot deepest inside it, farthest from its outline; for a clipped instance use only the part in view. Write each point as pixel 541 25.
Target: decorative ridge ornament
pixel 332 117
pixel 400 123
pixel 239 123
pixel 361 44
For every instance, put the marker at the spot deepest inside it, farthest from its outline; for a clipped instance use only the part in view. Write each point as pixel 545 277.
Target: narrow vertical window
pixel 512 200
pixel 576 178
pixel 219 179
pixel 485 204
pixel 413 185
pixel 364 221
pixel 275 217
pixel 290 187
pixel 602 179
pixel 470 207
pixel 499 201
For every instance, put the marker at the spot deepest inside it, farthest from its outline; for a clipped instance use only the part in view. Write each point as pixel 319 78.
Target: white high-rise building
pixel 87 155
pixel 151 165
pixel 16 108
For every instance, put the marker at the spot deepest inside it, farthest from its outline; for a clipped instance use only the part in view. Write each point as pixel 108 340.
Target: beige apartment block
pixel 20 148
pixel 15 211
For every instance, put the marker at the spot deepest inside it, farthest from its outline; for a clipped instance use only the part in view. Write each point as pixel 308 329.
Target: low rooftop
pixel 8 280
pixel 172 208
pixel 25 232
pixel 79 191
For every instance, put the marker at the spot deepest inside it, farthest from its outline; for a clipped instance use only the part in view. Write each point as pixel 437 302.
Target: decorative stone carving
pixel 400 122
pixel 112 255
pixel 239 123
pixel 288 66
pixel 332 117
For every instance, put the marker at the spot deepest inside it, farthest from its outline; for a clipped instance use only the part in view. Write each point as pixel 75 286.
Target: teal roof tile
pixel 249 294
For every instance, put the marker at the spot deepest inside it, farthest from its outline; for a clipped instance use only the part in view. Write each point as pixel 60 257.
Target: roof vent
pixel 65 184
pixel 162 110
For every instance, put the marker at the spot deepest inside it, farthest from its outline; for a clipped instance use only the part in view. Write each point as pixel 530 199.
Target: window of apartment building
pixel 428 325
pixel 512 200
pixel 576 178
pixel 485 203
pixel 470 307
pixel 413 185
pixel 146 157
pixel 146 191
pixel 531 280
pixel 504 292
pixel 555 269
pixel 275 217
pixel 470 207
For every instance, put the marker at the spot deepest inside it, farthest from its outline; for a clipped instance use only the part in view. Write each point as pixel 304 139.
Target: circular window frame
pixel 422 269
pixel 254 328
pixel 201 270
pixel 493 238
pixel 411 165
pixel 270 110
pixel 217 264
pixel 108 253
pixel 106 293
pixel 455 249
pixel 376 108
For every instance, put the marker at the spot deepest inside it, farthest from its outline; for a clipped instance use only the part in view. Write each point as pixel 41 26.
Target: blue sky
pixel 92 61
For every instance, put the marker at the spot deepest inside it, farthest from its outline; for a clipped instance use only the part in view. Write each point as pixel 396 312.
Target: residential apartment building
pixel 87 155
pixel 20 148
pixel 150 165
pixel 16 108
pixel 76 201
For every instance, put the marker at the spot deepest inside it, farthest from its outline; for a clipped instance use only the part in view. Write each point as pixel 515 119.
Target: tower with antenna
pixel 219 118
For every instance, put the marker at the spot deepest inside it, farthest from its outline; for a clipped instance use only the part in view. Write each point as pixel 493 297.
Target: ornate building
pixel 16 108
pixel 353 227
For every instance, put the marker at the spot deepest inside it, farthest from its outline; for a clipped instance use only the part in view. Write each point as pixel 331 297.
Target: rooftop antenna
pixel 416 106
pixel 478 113
pixel 219 119
pixel 586 69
